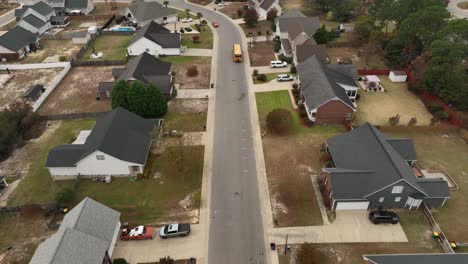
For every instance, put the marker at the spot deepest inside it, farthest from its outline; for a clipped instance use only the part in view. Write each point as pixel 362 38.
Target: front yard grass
pixel 378 107
pixel 270 77
pixel 439 150
pixel 113 47
pixel 205 41
pixel 181 65
pixel 187 122
pixel 289 168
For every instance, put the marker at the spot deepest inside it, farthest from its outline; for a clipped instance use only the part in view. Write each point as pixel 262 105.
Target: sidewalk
pixel 198 52
pixel 268 69
pixel 271 86
pixel 194 93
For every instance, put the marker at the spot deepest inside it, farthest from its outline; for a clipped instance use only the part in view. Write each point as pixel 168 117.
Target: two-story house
pixel 39 18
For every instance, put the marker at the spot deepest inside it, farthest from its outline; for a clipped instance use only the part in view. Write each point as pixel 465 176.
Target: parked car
pixel 278 64
pixel 383 217
pixel 215 24
pixel 188 29
pixel 222 4
pixel 284 78
pixel 218 1
pixel 186 20
pixel 137 233
pixel 174 230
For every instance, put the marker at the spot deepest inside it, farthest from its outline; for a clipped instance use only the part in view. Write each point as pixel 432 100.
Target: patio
pixel 371 83
pixel 434 174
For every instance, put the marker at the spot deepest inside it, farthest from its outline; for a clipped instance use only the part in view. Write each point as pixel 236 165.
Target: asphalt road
pixel 235 232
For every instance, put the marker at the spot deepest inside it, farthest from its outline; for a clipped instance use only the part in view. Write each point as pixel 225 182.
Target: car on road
pixel 174 230
pixel 278 64
pixel 383 217
pixel 284 78
pixel 186 20
pixel 137 233
pixel 215 24
pixel 188 29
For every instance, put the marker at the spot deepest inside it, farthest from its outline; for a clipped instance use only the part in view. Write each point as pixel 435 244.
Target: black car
pixel 383 217
pixel 188 29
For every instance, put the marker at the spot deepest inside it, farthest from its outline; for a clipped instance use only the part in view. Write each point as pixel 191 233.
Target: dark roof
pixel 292 13
pixel 434 187
pixel 120 134
pixel 266 4
pixel 84 236
pixel 33 91
pixel 143 11
pixel 320 84
pixel 34 21
pixel 17 38
pixel 294 20
pixel 286 45
pixel 159 35
pixel 106 86
pixel 61 19
pixel 116 72
pixel 145 64
pixel 71 4
pixel 346 69
pixel 365 162
pixel 423 258
pixel 404 147
pixel 303 52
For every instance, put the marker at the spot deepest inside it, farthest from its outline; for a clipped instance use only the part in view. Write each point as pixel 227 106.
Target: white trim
pixel 393 184
pixel 334 98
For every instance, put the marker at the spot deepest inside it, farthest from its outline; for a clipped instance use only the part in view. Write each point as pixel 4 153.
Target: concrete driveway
pixel 455 10
pixel 151 250
pixel 349 227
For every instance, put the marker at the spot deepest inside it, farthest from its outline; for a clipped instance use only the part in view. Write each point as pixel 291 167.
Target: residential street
pixel 235 227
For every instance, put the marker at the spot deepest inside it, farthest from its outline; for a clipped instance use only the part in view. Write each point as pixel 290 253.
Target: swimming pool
pixel 123 29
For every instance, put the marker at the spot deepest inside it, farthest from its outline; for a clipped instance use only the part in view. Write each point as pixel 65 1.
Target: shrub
pixel 120 261
pixel 394 120
pixel 302 112
pixel 295 92
pixel 442 115
pixel 358 96
pixel 261 77
pixel 62 58
pixel 434 107
pixel 279 121
pixel 64 196
pixel 285 58
pixel 277 47
pixel 293 69
pixel 240 12
pixel 413 121
pixel 255 72
pixel 196 39
pixel 295 86
pixel 272 14
pixel 192 71
pixel 259 33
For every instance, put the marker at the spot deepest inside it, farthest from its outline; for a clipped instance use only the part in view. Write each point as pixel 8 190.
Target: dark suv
pixel 383 217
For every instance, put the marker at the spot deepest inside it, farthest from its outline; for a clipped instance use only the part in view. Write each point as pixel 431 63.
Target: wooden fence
pixel 74 116
pixel 435 227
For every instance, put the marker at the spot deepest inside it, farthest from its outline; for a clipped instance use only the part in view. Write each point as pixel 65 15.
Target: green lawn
pixel 147 200
pixel 182 13
pixel 185 122
pixel 182 59
pixel 270 77
pixel 114 47
pixel 37 186
pixel 205 41
pixel 268 101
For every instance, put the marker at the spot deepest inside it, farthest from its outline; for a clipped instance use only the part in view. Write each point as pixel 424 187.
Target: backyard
pixel 262 53
pixel 416 229
pixel 370 61
pixel 377 107
pixel 181 65
pixel 170 177
pixel 289 168
pixel 444 150
pixel 306 7
pixel 205 41
pixel 77 92
pixel 113 47
pixel 54 49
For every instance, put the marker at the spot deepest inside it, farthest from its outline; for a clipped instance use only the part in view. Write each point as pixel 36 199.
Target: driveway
pixel 455 10
pixel 152 250
pixel 349 227
pixel 272 85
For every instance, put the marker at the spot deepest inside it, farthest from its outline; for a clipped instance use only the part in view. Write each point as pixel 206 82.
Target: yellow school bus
pixel 237 53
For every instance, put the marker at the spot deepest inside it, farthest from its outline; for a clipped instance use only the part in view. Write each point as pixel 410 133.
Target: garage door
pixel 352 205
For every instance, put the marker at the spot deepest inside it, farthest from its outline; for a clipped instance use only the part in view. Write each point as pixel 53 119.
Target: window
pixel 397 199
pixel 348 116
pixel 100 157
pixel 397 189
pixel 381 199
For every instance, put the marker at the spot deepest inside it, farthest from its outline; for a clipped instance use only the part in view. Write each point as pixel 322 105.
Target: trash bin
pixel 273 246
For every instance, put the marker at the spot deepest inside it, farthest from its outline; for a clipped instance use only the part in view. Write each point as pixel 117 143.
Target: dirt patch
pixel 15 87
pixel 77 92
pixel 369 61
pixel 188 106
pixel 288 171
pixel 60 47
pixel 231 9
pixel 262 53
pixel 200 81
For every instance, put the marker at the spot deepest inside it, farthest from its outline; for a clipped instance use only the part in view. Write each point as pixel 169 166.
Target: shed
pixel 34 92
pixel 397 76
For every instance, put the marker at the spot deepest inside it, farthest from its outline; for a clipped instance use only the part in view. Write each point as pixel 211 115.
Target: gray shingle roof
pixel 34 21
pixel 78 4
pixel 266 4
pixel 320 84
pixel 159 35
pixel 365 161
pixel 345 69
pixel 42 8
pixel 143 11
pixel 427 258
pixel 120 134
pixel 294 20
pixel 303 52
pixel 17 38
pixel 84 236
pixel 405 147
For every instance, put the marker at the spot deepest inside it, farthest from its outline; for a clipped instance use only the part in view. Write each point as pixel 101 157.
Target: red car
pixel 137 233
pixel 215 24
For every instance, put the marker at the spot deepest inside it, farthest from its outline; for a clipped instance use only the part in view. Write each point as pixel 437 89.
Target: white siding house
pixel 146 45
pixel 155 40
